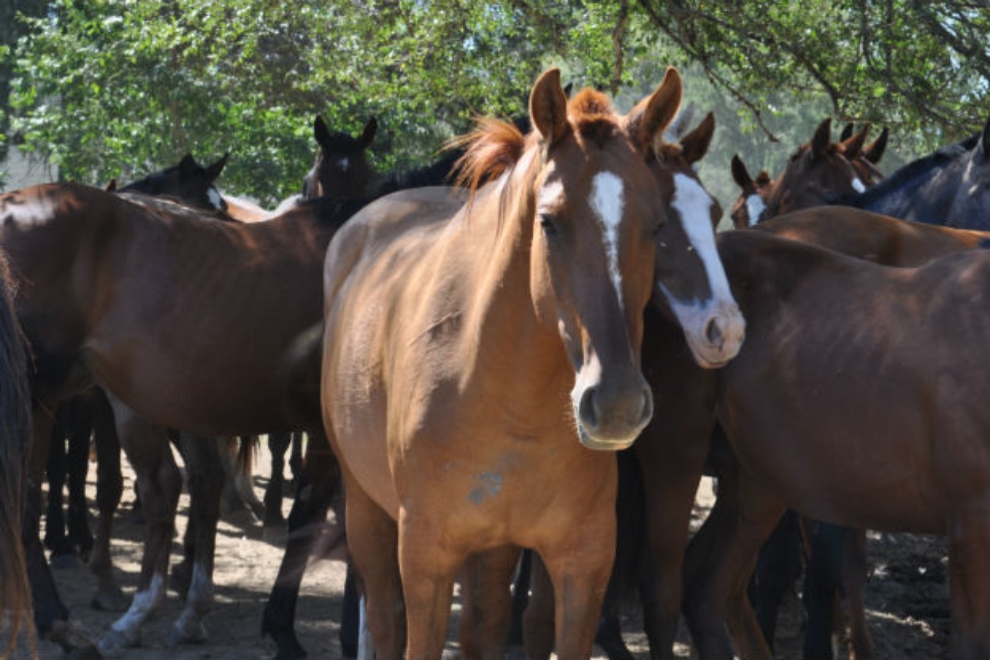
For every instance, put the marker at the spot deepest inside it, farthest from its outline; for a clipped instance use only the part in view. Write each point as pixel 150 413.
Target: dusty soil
pixel 907 596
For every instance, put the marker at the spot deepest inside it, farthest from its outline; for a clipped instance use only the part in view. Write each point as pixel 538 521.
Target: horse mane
pixel 496 145
pixel 907 174
pixel 491 149
pixel 171 205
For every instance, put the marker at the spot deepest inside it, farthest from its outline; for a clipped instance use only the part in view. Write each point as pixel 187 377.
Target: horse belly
pixel 858 474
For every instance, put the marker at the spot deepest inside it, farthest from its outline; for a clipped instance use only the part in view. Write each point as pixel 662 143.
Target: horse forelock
pixel 592 115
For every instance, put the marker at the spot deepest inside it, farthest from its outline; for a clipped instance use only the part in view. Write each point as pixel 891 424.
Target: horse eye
pixel 547 224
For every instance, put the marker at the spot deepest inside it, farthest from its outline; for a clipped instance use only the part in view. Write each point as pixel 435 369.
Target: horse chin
pixel 604 444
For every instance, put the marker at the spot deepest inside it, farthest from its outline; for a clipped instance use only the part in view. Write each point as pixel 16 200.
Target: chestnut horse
pixel 519 317
pixel 15 436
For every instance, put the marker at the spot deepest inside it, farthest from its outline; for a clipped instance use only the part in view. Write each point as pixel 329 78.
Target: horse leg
pixel 520 596
pixel 160 483
pixel 278 443
pixel 716 580
pixel 55 470
pixel 296 455
pixel 238 503
pixel 109 489
pixel 320 480
pixel 822 580
pixel 538 626
pixel 486 605
pixel 777 567
pixel 854 577
pixel 373 539
pixel 205 479
pixel 80 431
pixel 969 537
pixel 629 513
pixel 579 568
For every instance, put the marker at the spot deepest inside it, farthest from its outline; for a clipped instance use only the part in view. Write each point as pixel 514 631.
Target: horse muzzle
pixel 611 418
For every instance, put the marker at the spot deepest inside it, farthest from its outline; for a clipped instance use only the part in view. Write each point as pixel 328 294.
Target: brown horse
pixel 519 316
pixel 183 318
pixel 894 438
pixel 15 436
pixel 674 453
pixel 816 173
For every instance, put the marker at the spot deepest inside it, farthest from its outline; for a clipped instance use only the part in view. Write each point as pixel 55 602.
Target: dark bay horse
pixel 15 438
pixel 674 453
pixel 817 172
pixel 341 169
pixel 845 411
pixel 517 305
pixel 949 187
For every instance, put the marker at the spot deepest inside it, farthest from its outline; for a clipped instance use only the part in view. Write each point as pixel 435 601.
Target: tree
pixel 112 88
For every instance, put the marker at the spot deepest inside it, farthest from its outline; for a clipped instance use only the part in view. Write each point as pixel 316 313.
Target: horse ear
pixel 740 174
pixel 646 122
pixel 320 131
pixel 822 137
pixel 112 185
pixel 368 134
pixel 548 108
pixel 568 88
pixel 853 146
pixel 213 171
pixel 846 133
pixel 874 152
pixel 695 144
pixel 984 144
pixel 187 166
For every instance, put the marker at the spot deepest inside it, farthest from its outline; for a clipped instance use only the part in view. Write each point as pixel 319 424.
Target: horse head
pixel 690 280
pixel 596 215
pixel 341 170
pixel 817 172
pixel 188 182
pixel 749 207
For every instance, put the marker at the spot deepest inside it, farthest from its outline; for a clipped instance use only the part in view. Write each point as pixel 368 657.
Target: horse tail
pixel 245 454
pixel 15 438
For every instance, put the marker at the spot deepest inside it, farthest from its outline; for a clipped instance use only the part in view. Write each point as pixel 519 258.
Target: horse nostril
pixel 713 332
pixel 590 414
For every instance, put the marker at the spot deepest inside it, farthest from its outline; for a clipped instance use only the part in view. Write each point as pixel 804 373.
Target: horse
pixel 674 453
pixel 131 259
pixel 341 169
pixel 517 264
pixel 866 162
pixel 910 433
pixel 948 187
pixel 15 436
pixel 818 171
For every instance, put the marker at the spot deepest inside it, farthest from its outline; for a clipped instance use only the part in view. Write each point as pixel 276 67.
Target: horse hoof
pixel 114 643
pixel 192 634
pixel 112 600
pixel 275 535
pixel 73 640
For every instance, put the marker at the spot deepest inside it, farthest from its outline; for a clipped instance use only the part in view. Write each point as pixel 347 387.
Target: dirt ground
pixel 907 595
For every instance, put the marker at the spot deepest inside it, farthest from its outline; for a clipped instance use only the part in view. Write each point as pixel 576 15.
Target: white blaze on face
pixel 693 203
pixel 755 208
pixel 858 185
pixel 343 164
pixel 215 198
pixel 607 202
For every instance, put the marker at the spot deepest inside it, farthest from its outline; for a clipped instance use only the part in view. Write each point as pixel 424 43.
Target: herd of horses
pixel 538 342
